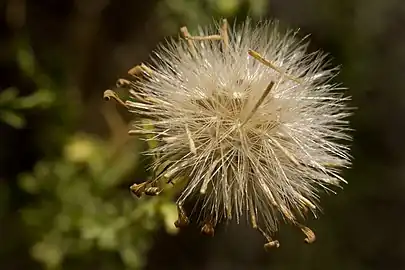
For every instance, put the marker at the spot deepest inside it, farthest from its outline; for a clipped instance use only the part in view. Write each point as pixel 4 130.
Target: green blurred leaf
pixel 8 95
pixel 131 257
pixel 226 7
pixel 26 61
pixel 107 239
pixel 48 253
pixel 29 184
pixel 41 98
pixel 13 119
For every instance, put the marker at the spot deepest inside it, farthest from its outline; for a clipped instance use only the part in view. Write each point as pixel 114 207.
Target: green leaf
pixel 26 61
pixel 41 98
pixel 48 253
pixel 29 183
pixel 13 119
pixel 8 95
pixel 227 7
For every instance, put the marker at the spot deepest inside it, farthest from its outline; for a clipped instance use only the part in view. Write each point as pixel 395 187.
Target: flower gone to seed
pixel 249 118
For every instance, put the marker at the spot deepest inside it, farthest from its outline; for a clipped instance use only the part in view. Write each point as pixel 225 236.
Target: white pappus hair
pixel 249 118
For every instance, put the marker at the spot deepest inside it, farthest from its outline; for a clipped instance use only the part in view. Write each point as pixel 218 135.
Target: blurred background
pixel 66 161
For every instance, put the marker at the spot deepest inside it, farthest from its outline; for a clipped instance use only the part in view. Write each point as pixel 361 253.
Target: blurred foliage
pixel 194 13
pixel 84 206
pixel 82 203
pixel 12 105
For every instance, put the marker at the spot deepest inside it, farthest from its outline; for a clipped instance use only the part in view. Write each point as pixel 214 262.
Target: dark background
pixel 66 161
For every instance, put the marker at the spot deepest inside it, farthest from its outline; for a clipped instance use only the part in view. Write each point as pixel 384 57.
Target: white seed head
pixel 250 118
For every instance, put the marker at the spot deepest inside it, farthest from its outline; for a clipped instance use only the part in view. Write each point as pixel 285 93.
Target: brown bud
pixel 208 229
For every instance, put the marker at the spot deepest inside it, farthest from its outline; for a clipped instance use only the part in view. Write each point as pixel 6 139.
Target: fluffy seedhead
pixel 249 118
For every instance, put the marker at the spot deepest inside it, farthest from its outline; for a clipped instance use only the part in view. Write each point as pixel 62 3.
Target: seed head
pixel 250 118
